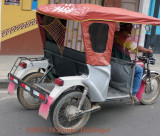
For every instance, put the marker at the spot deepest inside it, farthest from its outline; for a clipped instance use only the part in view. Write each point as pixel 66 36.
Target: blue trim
pixel 158 27
pixel 151 11
pixel 34 4
pixel 152 7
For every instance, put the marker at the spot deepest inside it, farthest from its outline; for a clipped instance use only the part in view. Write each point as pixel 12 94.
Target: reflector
pixel 58 81
pixel 11 78
pixel 41 96
pixel 23 64
pixel 23 85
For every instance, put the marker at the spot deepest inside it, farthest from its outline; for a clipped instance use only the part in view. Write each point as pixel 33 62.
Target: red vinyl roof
pixel 84 12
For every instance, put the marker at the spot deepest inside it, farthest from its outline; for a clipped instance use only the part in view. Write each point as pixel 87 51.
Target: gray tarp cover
pixel 122 75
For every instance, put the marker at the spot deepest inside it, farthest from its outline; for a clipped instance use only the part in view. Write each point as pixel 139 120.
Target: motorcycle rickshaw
pixel 77 71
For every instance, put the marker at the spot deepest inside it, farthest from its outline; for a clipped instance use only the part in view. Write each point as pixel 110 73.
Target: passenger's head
pixel 126 27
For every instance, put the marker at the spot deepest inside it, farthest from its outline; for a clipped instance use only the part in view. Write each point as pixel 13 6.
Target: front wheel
pixel 66 105
pixel 152 89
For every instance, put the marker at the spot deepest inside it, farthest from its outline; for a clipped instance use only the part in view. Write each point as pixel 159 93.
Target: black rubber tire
pixel 54 114
pixel 20 91
pixel 154 98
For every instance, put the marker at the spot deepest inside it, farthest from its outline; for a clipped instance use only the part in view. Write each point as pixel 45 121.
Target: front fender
pixel 32 66
pixel 152 72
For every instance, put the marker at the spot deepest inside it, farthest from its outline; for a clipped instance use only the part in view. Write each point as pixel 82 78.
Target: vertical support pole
pixel 0 22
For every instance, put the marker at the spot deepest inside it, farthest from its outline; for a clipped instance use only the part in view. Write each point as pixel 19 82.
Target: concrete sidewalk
pixel 6 63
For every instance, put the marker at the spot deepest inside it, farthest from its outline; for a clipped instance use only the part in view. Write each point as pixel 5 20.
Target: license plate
pixel 11 87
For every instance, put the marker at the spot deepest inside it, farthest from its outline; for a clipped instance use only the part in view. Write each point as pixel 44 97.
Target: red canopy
pixel 84 12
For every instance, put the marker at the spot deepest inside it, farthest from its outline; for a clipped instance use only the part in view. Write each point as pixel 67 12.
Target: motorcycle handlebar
pixel 147 57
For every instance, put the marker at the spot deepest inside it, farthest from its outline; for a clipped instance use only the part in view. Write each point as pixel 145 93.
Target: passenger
pixel 121 47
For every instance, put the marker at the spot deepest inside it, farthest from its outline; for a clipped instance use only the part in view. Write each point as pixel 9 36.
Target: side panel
pixel 98 82
pixel 94 58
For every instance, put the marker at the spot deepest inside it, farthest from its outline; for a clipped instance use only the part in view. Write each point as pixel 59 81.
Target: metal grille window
pixel 12 2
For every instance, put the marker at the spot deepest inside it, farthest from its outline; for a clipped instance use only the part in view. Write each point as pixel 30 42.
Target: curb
pixel 4 83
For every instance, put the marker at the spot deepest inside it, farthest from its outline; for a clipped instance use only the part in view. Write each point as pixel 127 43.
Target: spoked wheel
pixel 64 108
pixel 27 100
pixel 152 89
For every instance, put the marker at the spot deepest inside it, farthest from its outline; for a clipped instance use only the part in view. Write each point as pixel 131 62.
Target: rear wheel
pixel 152 89
pixel 27 100
pixel 66 106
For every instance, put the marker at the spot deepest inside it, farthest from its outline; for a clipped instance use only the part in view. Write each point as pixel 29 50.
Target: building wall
pixel 132 5
pixel 13 15
pixel 152 38
pixel 17 21
pixel 144 9
pixel 113 3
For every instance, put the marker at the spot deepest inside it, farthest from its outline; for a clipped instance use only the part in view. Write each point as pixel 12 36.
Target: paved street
pixel 122 119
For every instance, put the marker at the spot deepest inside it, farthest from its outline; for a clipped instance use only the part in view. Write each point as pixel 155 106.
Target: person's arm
pixel 144 50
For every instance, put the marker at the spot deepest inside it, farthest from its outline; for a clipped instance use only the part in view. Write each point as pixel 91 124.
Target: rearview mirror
pixel 147 28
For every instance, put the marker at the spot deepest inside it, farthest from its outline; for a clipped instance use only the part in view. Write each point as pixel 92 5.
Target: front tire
pixel 151 94
pixel 66 103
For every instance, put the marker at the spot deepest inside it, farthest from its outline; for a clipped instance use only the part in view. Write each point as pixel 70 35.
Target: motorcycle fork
pixel 83 98
pixel 149 74
pixel 80 112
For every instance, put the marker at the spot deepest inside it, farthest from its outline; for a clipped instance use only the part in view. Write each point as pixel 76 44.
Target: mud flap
pixel 44 108
pixel 141 90
pixel 11 87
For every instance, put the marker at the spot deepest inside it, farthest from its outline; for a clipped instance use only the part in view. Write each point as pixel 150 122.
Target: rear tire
pixel 27 100
pixel 64 104
pixel 154 91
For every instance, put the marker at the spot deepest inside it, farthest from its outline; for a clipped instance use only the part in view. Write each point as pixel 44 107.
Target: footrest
pixel 116 94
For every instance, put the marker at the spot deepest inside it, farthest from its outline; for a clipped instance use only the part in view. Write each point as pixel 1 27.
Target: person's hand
pixel 150 51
